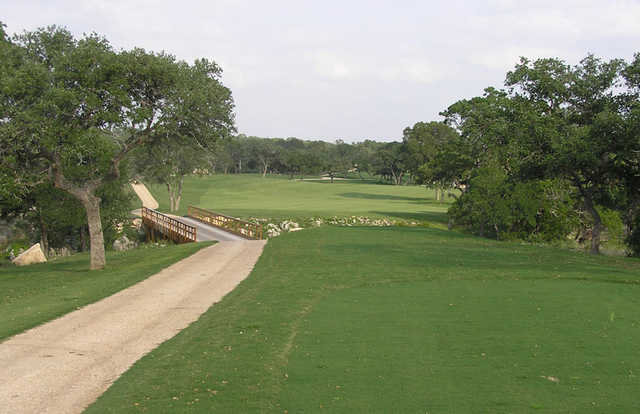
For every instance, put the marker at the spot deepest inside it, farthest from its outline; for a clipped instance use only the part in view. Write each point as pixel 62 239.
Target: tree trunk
pixel 85 193
pixel 264 169
pixel 178 194
pixel 397 178
pixel 44 241
pixel 175 193
pixel 91 204
pixel 170 197
pixel 597 224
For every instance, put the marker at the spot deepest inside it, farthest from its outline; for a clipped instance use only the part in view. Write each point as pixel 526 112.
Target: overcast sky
pixel 347 69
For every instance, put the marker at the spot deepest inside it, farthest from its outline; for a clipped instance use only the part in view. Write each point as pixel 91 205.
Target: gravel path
pixel 64 365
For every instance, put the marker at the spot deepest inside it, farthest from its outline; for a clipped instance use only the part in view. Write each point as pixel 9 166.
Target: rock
pixel 123 243
pixel 296 229
pixel 273 232
pixel 288 225
pixel 33 254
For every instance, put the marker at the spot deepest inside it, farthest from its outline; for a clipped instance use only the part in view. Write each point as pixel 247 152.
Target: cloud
pixel 505 59
pixel 331 65
pixel 412 70
pixel 349 69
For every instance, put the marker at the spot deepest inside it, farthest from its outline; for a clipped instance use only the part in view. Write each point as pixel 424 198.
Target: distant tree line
pixel 299 158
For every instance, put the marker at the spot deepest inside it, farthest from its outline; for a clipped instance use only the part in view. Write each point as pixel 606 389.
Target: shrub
pixel 496 207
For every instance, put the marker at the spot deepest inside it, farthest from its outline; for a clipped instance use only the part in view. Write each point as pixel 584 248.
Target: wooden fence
pixel 231 224
pixel 169 227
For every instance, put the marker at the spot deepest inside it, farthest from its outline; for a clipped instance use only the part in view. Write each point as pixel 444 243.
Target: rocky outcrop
pixel 32 255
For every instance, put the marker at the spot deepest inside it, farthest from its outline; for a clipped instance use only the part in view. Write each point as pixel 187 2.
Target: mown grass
pixel 31 295
pixel 277 197
pixel 407 320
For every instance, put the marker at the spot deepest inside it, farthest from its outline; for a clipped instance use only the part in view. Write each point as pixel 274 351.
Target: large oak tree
pixel 73 109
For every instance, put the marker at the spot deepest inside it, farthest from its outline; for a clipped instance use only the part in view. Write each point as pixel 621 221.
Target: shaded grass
pixel 404 320
pixel 31 295
pixel 277 197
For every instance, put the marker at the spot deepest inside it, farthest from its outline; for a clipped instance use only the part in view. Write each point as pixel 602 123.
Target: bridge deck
pixel 206 232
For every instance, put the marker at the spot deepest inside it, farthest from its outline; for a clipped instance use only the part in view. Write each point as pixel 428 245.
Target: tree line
pixel 553 153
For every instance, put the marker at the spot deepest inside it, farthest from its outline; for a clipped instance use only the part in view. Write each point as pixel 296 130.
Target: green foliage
pixel 495 207
pixel 73 109
pixel 554 123
pixel 295 157
pixel 422 142
pixel 613 223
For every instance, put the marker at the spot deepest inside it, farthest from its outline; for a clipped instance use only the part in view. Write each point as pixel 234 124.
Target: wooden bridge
pixel 158 224
pixel 213 226
pixel 233 225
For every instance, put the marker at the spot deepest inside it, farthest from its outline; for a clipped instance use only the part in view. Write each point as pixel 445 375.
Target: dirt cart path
pixel 145 195
pixel 64 365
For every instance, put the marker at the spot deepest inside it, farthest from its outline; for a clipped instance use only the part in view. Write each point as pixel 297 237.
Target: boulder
pixel 288 225
pixel 123 243
pixel 33 255
pixel 273 233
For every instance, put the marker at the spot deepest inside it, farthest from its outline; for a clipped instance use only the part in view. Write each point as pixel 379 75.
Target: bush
pixel 496 207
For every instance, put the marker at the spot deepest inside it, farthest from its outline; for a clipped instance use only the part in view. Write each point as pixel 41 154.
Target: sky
pixel 348 69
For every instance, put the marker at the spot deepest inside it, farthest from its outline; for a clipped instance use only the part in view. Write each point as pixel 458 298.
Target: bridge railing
pixel 168 226
pixel 231 224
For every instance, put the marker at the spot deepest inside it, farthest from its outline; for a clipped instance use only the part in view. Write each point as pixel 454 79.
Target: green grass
pixel 279 197
pixel 31 295
pixel 407 320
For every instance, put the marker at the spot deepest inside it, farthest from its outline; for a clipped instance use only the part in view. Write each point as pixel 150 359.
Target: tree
pixel 487 135
pixel 628 163
pixel 423 141
pixel 337 158
pixel 588 134
pixel 364 155
pixel 167 162
pixel 555 124
pixel 391 161
pixel 264 152
pixel 197 114
pixel 74 109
